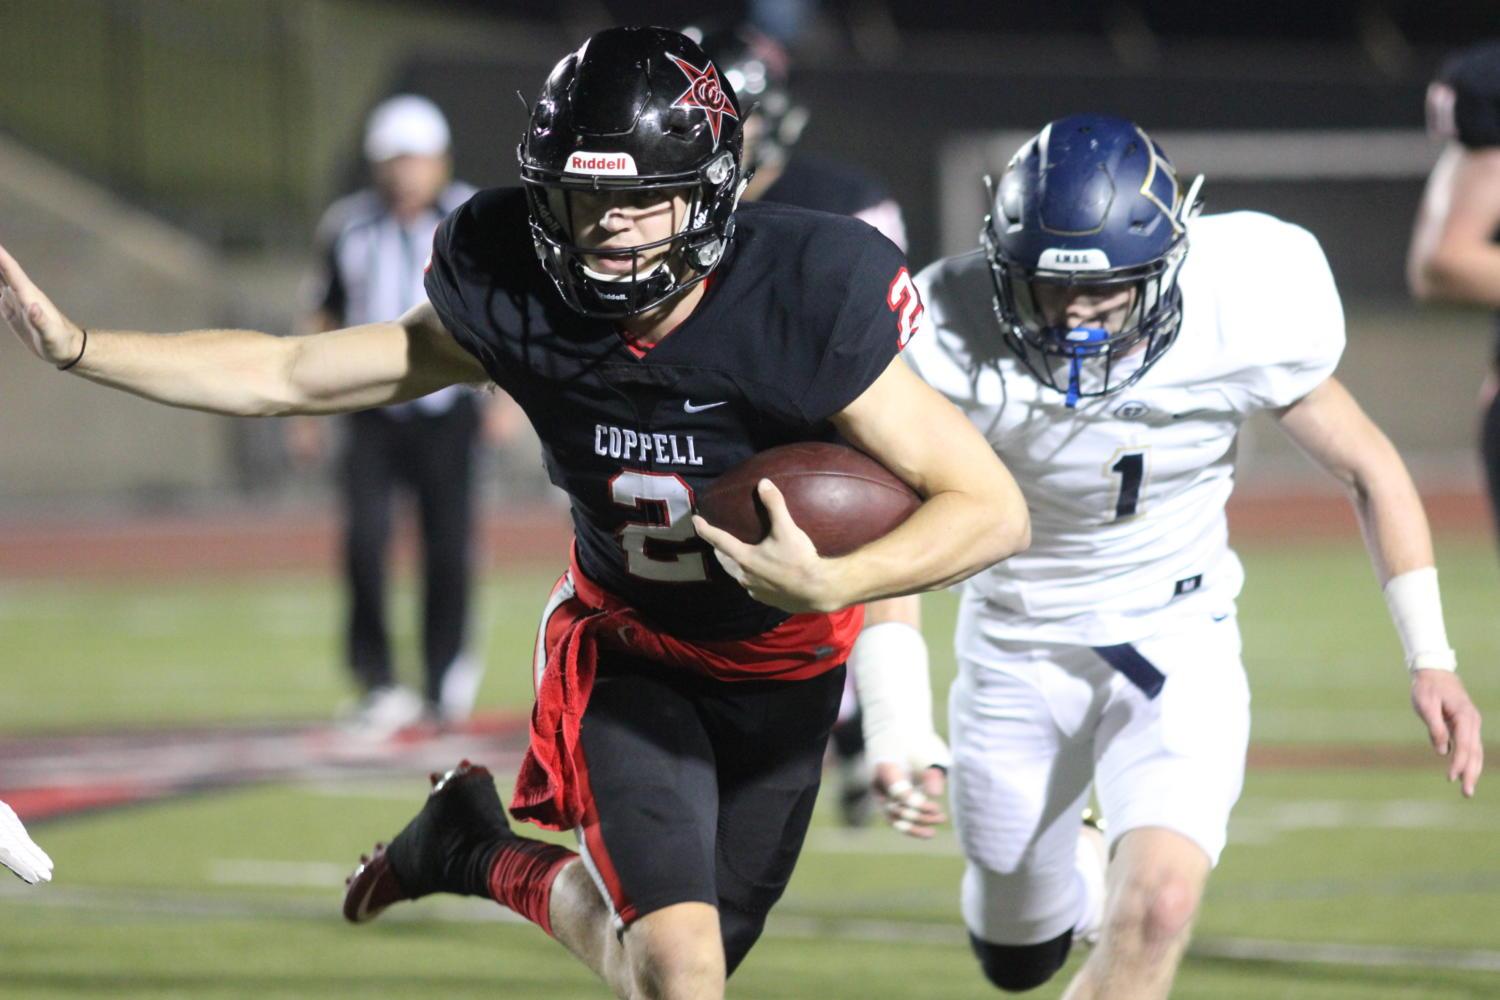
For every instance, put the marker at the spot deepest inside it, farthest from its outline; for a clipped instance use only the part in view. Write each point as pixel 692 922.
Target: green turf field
pixel 1337 883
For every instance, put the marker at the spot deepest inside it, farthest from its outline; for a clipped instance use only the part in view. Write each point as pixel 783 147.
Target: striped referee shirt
pixel 370 265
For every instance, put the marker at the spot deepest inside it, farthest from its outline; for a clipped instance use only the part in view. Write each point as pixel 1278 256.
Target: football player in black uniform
pixel 755 66
pixel 1455 246
pixel 656 337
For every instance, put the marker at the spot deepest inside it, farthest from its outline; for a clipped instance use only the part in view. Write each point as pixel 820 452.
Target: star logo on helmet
pixel 705 94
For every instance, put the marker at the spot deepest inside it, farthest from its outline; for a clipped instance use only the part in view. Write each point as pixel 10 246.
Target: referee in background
pixel 371 250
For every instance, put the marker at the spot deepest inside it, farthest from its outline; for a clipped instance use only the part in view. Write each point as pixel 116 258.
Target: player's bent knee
pixel 689 972
pixel 1019 967
pixel 676 953
pixel 1171 910
pixel 1156 910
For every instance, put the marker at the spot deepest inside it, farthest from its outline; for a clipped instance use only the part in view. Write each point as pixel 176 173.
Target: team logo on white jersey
pixel 610 164
pixel 1132 409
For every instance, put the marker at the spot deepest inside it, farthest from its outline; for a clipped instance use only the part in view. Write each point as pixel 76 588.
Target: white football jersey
pixel 1127 491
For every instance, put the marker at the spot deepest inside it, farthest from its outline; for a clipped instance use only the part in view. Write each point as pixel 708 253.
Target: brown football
pixel 841 497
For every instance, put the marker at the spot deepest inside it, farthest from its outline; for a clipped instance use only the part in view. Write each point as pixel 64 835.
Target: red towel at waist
pixel 582 617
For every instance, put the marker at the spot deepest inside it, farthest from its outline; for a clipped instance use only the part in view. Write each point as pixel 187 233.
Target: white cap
pixel 407 125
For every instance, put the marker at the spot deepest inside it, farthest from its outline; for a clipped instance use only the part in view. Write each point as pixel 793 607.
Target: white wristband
pixel 1417 611
pixel 889 663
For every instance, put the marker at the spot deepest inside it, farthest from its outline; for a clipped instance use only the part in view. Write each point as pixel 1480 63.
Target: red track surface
pixel 251 542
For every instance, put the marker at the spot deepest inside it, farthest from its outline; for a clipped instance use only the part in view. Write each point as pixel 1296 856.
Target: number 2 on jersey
pixel 1131 468
pixel 906 302
pixel 644 541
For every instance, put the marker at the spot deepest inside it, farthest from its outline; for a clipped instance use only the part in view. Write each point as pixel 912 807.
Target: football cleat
pixel 371 888
pixel 447 847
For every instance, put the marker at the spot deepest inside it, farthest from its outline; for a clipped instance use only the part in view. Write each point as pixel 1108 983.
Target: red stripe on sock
pixel 521 878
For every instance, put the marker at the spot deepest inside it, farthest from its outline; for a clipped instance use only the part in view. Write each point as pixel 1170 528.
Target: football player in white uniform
pixel 1134 339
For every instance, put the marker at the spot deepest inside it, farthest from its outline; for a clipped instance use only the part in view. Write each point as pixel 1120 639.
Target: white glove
pixel 19 852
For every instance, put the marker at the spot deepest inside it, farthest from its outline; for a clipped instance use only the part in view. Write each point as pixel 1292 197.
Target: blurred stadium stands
pixel 176 154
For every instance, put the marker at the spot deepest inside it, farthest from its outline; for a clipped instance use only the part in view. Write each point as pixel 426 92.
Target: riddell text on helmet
pixel 616 164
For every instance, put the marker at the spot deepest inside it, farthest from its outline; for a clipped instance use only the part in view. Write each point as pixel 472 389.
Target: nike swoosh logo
pixel 690 407
pixel 1219 618
pixel 362 910
pixel 372 876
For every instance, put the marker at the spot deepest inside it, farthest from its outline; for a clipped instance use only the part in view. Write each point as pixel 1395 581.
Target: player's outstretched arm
pixel 972 515
pixel 1331 427
pixel 19 852
pixel 1453 256
pixel 242 372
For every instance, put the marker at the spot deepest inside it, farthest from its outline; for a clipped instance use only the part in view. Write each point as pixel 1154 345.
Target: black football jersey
pixel 802 315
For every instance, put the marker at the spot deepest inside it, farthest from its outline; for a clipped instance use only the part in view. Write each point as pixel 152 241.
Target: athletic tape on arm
pixel 889 662
pixel 1417 610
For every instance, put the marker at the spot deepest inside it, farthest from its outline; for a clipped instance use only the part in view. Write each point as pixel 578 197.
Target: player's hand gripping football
pixel 33 318
pixel 1453 723
pixel 784 570
pixel 19 852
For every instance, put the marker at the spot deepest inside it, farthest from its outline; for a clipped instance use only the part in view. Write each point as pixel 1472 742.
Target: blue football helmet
pixel 1089 202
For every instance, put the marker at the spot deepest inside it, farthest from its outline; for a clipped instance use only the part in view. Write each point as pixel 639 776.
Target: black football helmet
pixel 634 109
pixel 756 66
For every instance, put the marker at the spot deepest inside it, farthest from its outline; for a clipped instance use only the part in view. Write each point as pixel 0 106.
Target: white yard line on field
pixel 1329 953
pixel 165 904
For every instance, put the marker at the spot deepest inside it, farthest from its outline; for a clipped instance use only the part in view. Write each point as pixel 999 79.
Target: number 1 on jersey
pixel 1131 469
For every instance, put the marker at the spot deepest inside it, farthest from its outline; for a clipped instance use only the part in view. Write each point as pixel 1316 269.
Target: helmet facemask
pixel 1087 361
pixel 692 251
pixel 641 112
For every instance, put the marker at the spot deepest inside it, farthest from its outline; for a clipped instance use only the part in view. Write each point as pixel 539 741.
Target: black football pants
pixel 701 790
pixel 432 457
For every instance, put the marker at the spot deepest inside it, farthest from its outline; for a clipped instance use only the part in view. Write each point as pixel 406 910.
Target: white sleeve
pixel 939 353
pixel 1294 319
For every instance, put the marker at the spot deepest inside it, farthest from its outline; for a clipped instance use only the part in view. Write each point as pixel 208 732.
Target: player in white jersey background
pixel 1134 338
